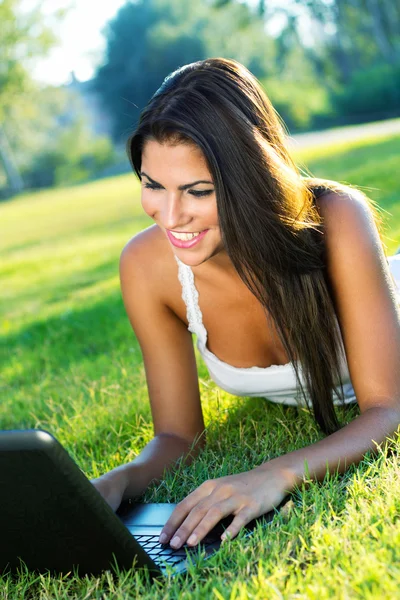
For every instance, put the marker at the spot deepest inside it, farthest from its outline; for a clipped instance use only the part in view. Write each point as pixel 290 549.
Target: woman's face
pixel 179 195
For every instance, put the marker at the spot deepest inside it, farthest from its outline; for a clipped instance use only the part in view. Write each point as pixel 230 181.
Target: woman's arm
pixel 252 493
pixel 170 366
pixel 369 318
pixel 156 459
pixel 341 449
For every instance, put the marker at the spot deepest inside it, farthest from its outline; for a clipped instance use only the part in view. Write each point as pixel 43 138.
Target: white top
pixel 277 382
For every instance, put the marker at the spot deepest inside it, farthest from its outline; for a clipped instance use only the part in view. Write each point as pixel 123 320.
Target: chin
pixel 192 259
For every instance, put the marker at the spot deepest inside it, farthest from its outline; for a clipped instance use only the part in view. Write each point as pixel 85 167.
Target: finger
pixel 194 533
pixel 186 528
pixel 244 516
pixel 183 509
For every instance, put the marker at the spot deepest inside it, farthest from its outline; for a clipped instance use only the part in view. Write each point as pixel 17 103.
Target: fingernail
pixel 175 541
pixel 192 539
pixel 163 538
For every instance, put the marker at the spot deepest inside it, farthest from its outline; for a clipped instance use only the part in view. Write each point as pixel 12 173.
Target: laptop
pixel 53 519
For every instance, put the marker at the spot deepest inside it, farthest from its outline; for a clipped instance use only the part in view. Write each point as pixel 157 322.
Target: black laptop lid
pixel 51 516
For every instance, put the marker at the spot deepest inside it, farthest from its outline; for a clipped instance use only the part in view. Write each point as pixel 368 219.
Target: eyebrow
pixel 181 187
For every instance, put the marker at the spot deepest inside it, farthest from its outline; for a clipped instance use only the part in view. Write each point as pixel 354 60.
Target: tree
pixel 148 39
pixel 23 38
pixel 353 34
pixel 353 47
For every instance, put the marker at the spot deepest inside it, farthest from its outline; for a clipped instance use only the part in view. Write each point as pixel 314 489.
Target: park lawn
pixel 71 365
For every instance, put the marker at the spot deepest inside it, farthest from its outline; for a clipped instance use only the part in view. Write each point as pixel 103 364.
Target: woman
pixel 284 281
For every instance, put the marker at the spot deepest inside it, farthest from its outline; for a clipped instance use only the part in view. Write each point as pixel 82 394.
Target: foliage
pixel 352 50
pixel 31 126
pixel 148 39
pixel 297 96
pixel 24 36
pixel 371 91
pixel 328 62
pixel 74 156
pixel 350 35
pixel 311 68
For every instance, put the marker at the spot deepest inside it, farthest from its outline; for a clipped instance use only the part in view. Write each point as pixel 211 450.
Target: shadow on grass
pixel 82 280
pixel 56 290
pixel 56 343
pixel 41 361
pixel 52 348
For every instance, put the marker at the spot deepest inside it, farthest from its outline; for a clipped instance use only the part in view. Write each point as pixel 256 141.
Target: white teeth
pixel 184 236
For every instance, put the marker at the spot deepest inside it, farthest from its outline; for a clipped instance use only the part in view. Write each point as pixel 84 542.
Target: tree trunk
pixel 379 31
pixel 392 14
pixel 11 169
pixel 342 56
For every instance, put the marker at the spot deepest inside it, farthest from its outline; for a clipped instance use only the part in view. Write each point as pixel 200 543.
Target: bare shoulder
pixel 148 263
pixel 335 205
pixel 151 294
pixel 364 296
pixel 348 221
pixel 145 248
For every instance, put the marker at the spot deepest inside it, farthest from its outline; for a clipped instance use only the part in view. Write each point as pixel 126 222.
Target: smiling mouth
pixel 184 236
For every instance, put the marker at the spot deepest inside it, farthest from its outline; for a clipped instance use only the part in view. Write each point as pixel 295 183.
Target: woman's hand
pixel 246 495
pixel 111 486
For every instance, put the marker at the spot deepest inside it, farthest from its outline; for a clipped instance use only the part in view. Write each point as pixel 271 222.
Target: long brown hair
pixel 269 222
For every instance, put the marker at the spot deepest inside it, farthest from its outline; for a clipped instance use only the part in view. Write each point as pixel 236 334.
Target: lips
pixel 186 243
pixel 185 236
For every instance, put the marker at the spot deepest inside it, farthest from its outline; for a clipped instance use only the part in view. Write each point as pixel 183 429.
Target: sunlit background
pixel 83 52
pixel 75 74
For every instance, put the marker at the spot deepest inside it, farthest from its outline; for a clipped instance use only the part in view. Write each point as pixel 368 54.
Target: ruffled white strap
pixel 190 296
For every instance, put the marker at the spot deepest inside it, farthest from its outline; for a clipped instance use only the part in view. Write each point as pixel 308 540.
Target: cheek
pixel 213 217
pixel 149 204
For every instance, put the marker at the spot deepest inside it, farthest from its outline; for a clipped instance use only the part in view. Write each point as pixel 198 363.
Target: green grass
pixel 71 365
pixel 370 164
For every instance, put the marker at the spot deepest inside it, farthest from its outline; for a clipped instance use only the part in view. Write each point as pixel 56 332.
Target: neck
pixel 220 264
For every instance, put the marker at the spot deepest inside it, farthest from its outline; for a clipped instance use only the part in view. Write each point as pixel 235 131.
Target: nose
pixel 172 212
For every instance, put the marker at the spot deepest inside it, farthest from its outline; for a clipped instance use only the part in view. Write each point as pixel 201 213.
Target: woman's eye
pixel 197 193
pixel 202 193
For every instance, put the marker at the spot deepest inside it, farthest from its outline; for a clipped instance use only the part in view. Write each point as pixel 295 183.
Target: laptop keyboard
pixel 165 553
